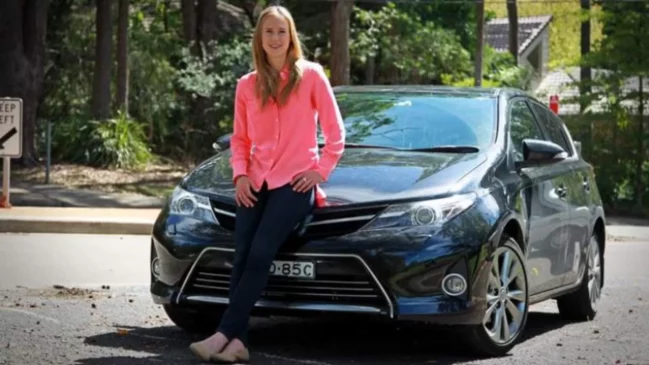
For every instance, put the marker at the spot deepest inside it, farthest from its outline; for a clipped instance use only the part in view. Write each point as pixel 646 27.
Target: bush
pixel 118 143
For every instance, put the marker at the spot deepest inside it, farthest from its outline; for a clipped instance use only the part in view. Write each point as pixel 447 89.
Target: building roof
pixel 529 28
pixel 563 83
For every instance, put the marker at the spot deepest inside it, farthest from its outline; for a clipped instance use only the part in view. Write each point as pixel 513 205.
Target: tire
pixel 581 305
pixel 515 296
pixel 194 321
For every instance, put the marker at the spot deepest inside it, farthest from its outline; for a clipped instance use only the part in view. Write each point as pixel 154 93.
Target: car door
pixel 579 198
pixel 582 222
pixel 576 185
pixel 545 194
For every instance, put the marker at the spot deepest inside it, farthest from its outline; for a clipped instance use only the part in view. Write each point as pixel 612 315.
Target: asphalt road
pixel 84 323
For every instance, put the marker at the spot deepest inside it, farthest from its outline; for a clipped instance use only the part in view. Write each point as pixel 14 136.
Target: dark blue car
pixel 450 205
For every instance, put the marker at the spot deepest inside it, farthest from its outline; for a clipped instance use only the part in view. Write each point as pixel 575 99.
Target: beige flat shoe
pixel 201 351
pixel 230 357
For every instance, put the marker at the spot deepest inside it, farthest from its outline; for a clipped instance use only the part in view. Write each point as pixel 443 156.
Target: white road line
pixel 301 361
pixel 54 320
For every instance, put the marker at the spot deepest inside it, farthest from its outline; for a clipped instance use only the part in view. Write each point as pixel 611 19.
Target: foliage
pixel 211 78
pixel 69 62
pixel 499 70
pixel 565 29
pixel 180 102
pixel 153 50
pixel 409 49
pixel 611 126
pixel 116 143
pixel 458 17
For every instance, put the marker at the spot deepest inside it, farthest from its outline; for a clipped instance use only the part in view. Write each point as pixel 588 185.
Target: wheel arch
pixel 510 225
pixel 513 229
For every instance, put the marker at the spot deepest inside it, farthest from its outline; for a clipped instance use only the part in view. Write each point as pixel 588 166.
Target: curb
pixel 75 225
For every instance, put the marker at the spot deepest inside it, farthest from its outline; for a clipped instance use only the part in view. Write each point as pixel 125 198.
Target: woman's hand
pixel 243 194
pixel 305 181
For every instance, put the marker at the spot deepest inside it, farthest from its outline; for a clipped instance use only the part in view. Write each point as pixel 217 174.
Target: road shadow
pixel 326 341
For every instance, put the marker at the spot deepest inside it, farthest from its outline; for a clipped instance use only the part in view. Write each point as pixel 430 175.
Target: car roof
pixel 431 89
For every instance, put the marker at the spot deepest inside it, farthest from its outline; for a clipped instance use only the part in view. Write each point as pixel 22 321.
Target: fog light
pixel 454 285
pixel 155 267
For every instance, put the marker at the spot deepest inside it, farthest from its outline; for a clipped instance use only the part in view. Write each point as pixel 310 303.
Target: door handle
pixel 586 184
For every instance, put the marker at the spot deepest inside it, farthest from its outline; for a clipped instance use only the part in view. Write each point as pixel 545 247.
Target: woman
pixel 276 166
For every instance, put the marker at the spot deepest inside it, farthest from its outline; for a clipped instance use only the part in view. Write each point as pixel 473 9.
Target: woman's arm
pixel 331 123
pixel 240 144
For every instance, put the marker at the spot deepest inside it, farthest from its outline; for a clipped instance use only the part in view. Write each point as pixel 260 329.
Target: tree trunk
pixel 479 42
pixel 616 154
pixel 585 75
pixel 165 14
pixel 200 25
pixel 512 14
pixel 188 8
pixel 250 8
pixel 640 155
pixel 103 60
pixel 121 98
pixel 206 29
pixel 23 26
pixel 339 38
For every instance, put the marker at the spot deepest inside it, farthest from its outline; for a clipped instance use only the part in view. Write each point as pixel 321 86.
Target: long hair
pixel 268 81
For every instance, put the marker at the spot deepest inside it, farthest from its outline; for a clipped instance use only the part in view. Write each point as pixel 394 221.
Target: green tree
pixel 565 29
pixel 406 49
pixel 612 125
pixel 625 50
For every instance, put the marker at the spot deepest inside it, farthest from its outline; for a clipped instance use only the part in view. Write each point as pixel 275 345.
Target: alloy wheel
pixel 594 273
pixel 506 297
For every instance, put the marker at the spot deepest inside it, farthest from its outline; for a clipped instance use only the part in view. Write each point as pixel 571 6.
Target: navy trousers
pixel 259 233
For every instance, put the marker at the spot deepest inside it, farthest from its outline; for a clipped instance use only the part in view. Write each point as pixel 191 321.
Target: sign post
pixel 11 141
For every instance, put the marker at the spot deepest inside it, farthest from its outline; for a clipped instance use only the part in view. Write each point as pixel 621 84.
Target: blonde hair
pixel 268 81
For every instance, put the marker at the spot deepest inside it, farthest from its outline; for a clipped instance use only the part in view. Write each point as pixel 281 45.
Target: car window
pixel 563 130
pixel 522 125
pixel 417 120
pixel 553 125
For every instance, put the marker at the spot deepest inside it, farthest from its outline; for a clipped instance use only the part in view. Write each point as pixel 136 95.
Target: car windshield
pixel 417 120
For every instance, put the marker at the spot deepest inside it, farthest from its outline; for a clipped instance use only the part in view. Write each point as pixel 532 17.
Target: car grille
pixel 329 222
pixel 338 280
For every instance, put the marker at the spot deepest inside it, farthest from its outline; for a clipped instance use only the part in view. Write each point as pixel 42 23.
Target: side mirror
pixel 538 152
pixel 222 143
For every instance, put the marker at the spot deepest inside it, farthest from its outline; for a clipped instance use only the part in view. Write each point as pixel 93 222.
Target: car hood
pixel 361 176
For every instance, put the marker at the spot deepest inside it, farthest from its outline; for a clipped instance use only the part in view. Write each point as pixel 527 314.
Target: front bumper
pixel 396 275
pixel 343 283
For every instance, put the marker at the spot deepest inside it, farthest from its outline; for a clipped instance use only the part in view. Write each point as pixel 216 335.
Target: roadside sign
pixel 11 141
pixel 11 127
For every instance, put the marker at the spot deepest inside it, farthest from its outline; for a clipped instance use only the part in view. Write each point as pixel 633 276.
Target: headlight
pixel 424 213
pixel 191 205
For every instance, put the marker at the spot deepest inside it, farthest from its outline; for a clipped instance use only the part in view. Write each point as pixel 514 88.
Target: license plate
pixel 294 269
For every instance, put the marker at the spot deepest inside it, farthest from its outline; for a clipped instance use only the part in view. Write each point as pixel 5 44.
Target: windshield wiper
pixel 449 149
pixel 360 145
